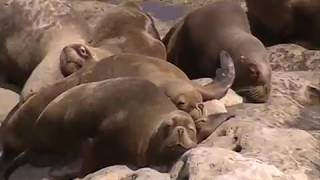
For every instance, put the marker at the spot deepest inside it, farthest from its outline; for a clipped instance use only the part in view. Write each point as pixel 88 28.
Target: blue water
pixel 160 10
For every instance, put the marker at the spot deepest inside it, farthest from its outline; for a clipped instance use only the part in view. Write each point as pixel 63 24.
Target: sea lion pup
pixel 122 120
pixel 72 58
pixel 285 21
pixel 207 125
pixel 195 50
pixel 31 35
pixel 127 28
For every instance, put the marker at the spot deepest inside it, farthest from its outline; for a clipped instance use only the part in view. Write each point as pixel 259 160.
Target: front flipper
pixel 206 126
pixel 223 79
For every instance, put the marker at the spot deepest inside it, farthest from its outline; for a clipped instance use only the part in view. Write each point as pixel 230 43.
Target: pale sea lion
pixel 34 31
pixel 195 50
pixel 72 57
pixel 286 21
pixel 124 28
pixel 122 120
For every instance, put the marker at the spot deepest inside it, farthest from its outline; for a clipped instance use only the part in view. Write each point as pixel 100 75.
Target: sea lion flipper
pixel 205 127
pixel 18 161
pixel 223 80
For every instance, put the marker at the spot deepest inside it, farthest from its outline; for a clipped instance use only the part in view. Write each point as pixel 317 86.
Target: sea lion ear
pixel 242 59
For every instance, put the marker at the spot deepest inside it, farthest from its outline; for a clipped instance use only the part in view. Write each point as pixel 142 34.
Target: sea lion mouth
pixel 198 111
pixel 177 148
pixel 254 94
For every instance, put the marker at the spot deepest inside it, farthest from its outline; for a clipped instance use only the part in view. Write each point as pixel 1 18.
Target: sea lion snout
pixel 73 57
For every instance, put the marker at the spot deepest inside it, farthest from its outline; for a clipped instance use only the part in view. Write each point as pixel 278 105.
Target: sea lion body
pixel 128 120
pixel 195 50
pixel 285 21
pixel 127 28
pixel 33 31
pixel 173 82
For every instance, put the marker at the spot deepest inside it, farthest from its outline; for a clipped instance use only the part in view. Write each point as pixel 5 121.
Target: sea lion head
pixel 186 98
pixel 253 80
pixel 73 57
pixel 176 134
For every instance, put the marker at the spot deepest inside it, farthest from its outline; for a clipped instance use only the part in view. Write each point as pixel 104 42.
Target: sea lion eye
pixel 83 51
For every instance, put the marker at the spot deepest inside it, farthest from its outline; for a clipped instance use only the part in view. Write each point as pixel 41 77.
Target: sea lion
pixel 207 125
pixel 71 58
pixel 173 82
pixel 34 31
pixel 124 120
pixel 127 28
pixel 195 50
pixel 124 28
pixel 285 21
pixel 187 95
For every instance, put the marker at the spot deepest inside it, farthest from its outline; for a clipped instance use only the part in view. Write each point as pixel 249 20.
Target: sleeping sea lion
pixel 286 21
pixel 122 120
pixel 196 50
pixel 127 28
pixel 184 93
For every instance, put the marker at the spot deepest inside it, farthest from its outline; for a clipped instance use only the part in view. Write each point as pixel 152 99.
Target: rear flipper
pixel 206 126
pixel 223 80
pixel 8 168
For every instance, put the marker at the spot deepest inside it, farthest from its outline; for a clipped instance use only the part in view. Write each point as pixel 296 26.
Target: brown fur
pixel 224 26
pixel 128 29
pixel 286 21
pixel 128 120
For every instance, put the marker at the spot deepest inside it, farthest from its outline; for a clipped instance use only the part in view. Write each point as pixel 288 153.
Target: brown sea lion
pixel 34 31
pixel 127 28
pixel 169 78
pixel 207 125
pixel 195 50
pixel 176 85
pixel 285 21
pixel 122 120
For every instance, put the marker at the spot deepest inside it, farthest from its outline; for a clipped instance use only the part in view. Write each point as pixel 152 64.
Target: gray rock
pixel 295 152
pixel 291 57
pixel 221 164
pixel 124 173
pixel 294 102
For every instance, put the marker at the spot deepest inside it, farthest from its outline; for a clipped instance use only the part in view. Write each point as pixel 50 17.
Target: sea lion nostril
pixel 200 106
pixel 180 131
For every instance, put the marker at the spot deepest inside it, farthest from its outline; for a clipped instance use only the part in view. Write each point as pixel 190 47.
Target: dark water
pixel 160 10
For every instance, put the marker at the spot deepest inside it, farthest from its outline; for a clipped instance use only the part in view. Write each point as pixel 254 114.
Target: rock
pixel 124 173
pixel 214 107
pixel 294 152
pixel 291 57
pixel 294 102
pixel 8 99
pixel 218 106
pixel 221 164
pixel 231 99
